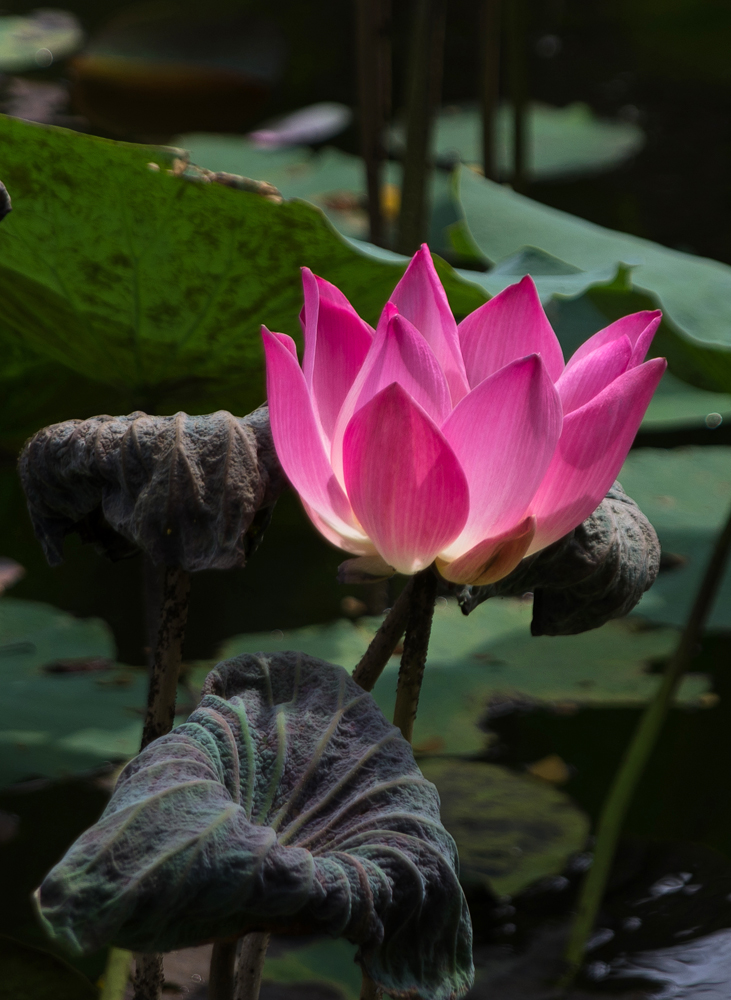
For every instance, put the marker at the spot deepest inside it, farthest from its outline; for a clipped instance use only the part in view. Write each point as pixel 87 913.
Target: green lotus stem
pixel 416 645
pixel 116 974
pixel 424 80
pixel 251 964
pixel 373 23
pixel 384 642
pixel 637 755
pixel 489 82
pixel 518 82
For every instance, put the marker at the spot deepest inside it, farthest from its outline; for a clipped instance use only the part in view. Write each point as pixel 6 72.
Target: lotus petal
pixel 509 326
pixel 504 434
pixel 288 803
pixel 639 327
pixel 593 445
pixel 399 354
pixel 420 297
pixel 582 381
pixel 403 480
pixel 491 559
pixel 336 344
pixel 297 438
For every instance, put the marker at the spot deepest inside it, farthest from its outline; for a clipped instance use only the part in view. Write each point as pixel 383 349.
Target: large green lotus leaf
pixel 285 802
pixel 686 493
pixel 34 974
pixel 56 723
pixel 561 141
pixel 510 829
pixel 153 282
pixel 491 656
pixel 694 292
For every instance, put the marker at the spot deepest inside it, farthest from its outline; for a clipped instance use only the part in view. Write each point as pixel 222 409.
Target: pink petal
pixel 283 338
pixel 640 327
pixel 582 381
pixel 349 539
pixel 491 559
pixel 399 354
pixel 336 344
pixel 590 453
pixel 504 434
pixel 403 480
pixel 420 297
pixel 509 326
pixel 297 439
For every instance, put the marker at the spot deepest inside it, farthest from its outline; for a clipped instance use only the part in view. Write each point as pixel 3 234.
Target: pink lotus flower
pixel 471 444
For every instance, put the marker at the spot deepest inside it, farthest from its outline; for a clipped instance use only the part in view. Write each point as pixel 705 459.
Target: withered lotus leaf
pixel 599 571
pixel 288 803
pixel 190 491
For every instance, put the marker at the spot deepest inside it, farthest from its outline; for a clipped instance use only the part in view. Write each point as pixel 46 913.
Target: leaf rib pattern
pixel 288 803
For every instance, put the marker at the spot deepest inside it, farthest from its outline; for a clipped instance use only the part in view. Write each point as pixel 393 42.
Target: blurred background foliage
pixel 125 285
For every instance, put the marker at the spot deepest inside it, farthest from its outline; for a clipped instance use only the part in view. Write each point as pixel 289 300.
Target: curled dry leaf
pixel 288 803
pixel 194 492
pixel 599 571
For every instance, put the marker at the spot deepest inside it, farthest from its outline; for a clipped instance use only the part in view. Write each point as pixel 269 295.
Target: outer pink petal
pixel 403 480
pixel 352 540
pixel 420 297
pixel 509 326
pixel 336 344
pixel 283 338
pixel 491 559
pixel 297 439
pixel 590 453
pixel 582 381
pixel 640 327
pixel 504 434
pixel 399 354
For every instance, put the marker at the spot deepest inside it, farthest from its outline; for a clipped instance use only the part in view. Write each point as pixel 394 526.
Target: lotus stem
pixel 149 977
pixel 384 642
pixel 168 649
pixel 518 82
pixel 416 645
pixel 489 82
pixel 223 964
pixel 368 989
pixel 637 755
pixel 116 974
pixel 159 719
pixel 251 964
pixel 424 81
pixel 374 99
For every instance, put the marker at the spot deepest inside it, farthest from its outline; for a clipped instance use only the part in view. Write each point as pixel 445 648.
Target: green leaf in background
pixel 53 724
pixel 562 142
pixel 34 974
pixel 489 656
pixel 686 493
pixel 694 292
pixel 323 962
pixel 510 830
pixel 156 284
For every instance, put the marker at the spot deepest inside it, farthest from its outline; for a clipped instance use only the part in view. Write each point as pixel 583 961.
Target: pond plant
pixel 468 458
